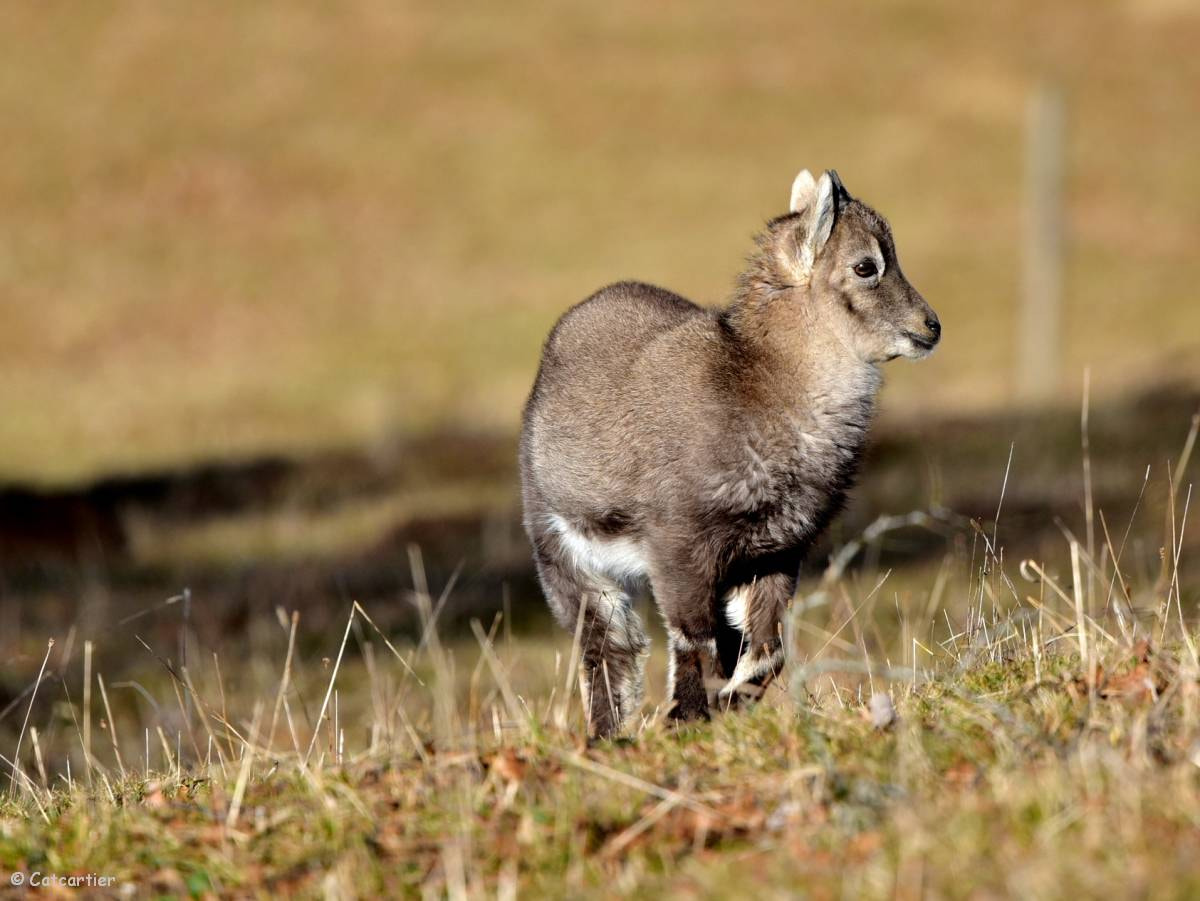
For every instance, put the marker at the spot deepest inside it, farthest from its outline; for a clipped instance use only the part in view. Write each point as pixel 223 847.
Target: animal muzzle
pixel 925 330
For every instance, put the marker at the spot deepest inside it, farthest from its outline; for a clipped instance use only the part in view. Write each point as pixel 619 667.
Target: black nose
pixel 934 326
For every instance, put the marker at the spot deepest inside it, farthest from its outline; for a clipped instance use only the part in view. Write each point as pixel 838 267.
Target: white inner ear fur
pixel 821 216
pixel 819 213
pixel 804 189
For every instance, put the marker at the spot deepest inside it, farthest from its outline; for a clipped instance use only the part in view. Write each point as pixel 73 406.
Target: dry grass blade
pixel 329 691
pixel 622 839
pixel 224 706
pixel 1124 618
pixel 649 788
pixel 184 678
pixel 16 761
pixel 853 613
pixel 87 708
pixel 283 680
pixel 515 710
pixel 561 717
pixel 1081 624
pixel 391 647
pixel 30 785
pixel 1176 554
pixel 239 791
pixel 1003 491
pixel 1089 509
pixel 1069 600
pixel 112 726
pixel 1189 445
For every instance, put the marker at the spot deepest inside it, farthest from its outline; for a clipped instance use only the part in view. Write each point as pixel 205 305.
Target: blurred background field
pixel 233 230
pixel 274 277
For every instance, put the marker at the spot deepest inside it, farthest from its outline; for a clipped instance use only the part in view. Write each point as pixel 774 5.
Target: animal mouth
pixel 921 342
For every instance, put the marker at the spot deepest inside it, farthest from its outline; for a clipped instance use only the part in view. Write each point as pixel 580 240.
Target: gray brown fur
pixel 704 450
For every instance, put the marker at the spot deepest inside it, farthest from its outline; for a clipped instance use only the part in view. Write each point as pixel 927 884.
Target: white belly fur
pixel 619 558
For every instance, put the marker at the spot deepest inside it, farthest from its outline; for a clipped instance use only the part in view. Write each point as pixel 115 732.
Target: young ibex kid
pixel 705 450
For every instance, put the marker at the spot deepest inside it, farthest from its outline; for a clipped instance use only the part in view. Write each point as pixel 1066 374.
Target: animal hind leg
pixel 751 647
pixel 613 642
pixel 614 648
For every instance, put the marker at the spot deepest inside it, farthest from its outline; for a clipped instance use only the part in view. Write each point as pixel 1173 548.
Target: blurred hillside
pixel 230 230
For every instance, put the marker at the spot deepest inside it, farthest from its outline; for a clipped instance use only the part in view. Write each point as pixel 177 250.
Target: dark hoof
pixel 730 702
pixel 688 713
pixel 742 698
pixel 612 740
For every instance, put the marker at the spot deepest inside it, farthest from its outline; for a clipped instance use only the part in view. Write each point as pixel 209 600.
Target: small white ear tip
pixel 803 188
pixel 803 180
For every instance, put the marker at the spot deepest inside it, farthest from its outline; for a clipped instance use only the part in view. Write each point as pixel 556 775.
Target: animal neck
pixel 801 365
pixel 809 402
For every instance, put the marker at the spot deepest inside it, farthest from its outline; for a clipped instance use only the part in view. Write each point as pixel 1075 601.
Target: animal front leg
pixel 685 594
pixel 685 676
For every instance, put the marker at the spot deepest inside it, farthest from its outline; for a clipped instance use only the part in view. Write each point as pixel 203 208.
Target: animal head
pixel 843 250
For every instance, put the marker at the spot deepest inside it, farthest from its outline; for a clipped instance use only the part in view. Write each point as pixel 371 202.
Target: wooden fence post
pixel 1039 331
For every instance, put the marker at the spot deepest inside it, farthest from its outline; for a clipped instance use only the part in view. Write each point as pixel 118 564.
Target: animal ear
pixel 804 189
pixel 817 202
pixel 822 213
pixel 841 195
pixel 819 209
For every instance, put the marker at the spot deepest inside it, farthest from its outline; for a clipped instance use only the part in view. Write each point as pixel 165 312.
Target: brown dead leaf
pixel 1138 686
pixel 962 774
pixel 508 765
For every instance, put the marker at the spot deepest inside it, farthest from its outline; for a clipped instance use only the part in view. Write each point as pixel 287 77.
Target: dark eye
pixel 865 268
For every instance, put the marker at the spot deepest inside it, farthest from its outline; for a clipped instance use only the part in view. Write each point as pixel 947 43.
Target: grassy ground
pixel 986 727
pixel 248 227
pixel 1004 776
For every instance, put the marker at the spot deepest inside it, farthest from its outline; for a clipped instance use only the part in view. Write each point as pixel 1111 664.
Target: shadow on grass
pixel 70 554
